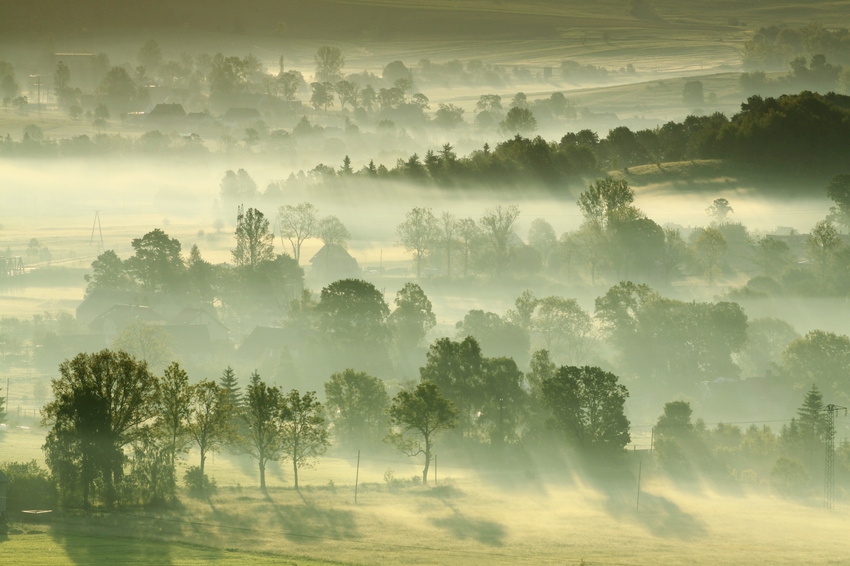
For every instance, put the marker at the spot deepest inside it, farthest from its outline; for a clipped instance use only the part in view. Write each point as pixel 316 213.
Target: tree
pixel 209 423
pixel 469 236
pixel 541 237
pixel 499 227
pixel 346 91
pixel 773 256
pixel 518 121
pixel 456 368
pixel 820 358
pixel 605 200
pixel 108 272
pixel 358 403
pixel 418 233
pixel 719 210
pixel 156 264
pixel 412 318
pixel 150 55
pixel 297 224
pixel 119 91
pixel 254 241
pixel 565 327
pixel 229 382
pixel 329 63
pixel 766 339
pixel 710 247
pixel 503 398
pixel 497 336
pixel 676 420
pixel 305 433
pixel 692 93
pixel 448 227
pixel 147 342
pixel 417 417
pixel 352 316
pixel 674 252
pixel 61 84
pixel 173 399
pixel 333 232
pixel 489 103
pixel 839 191
pixel 101 404
pixel 264 414
pixel 822 246
pixel 587 406
pixel 237 186
pixel 811 417
pixel 322 95
pixel 448 116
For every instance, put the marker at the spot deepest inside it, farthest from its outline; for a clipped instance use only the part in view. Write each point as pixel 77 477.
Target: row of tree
pixel 109 406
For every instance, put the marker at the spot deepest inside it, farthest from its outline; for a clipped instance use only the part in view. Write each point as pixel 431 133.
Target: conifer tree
pixel 229 382
pixel 811 418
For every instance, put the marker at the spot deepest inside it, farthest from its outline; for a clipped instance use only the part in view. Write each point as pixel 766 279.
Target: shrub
pixel 198 485
pixel 30 486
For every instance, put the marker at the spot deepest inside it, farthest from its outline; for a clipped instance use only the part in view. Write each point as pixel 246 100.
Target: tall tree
pixel 101 404
pixel 417 417
pixel 469 236
pixel 108 272
pixel 305 431
pixel 297 224
pixel 822 246
pixel 156 263
pixel 566 328
pixel 263 414
pixel 448 227
pixel 412 318
pixel 358 403
pixel 230 383
pixel 209 424
pixel 587 406
pixel 499 227
pixel 504 399
pixel 711 247
pixel 456 368
pixel 333 232
pixel 839 191
pixel 172 406
pixel 418 233
pixel 254 241
pixel 329 63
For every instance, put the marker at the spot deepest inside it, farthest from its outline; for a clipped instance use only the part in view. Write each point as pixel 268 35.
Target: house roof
pixel 264 339
pixel 332 252
pixel 196 316
pixel 100 300
pixel 167 111
pixel 123 315
pixel 189 338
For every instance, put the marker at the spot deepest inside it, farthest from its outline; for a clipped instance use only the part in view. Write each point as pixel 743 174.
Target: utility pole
pixel 96 223
pixel 829 469
pixel 357 474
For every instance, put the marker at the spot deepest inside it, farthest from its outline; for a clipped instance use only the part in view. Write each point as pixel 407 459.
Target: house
pixel 189 341
pixel 167 113
pixel 334 262
pixel 190 316
pixel 117 317
pixel 266 342
pixel 241 115
pixel 98 301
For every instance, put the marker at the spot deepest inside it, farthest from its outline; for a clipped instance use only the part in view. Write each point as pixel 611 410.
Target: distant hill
pixel 398 19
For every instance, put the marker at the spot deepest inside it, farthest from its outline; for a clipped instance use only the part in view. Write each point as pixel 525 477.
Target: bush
pixel 789 476
pixel 198 485
pixel 30 487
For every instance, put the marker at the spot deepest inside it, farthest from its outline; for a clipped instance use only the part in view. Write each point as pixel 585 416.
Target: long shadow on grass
pixel 306 522
pixel 86 541
pixel 462 526
pixel 659 515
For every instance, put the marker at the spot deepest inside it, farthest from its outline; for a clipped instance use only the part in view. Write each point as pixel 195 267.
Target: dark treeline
pixel 806 133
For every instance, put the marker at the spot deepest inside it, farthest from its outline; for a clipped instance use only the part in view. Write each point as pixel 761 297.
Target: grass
pixel 52 546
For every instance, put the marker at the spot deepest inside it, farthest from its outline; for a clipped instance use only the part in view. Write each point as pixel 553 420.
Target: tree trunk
pixel 262 474
pixel 295 472
pixel 427 460
pixel 203 461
